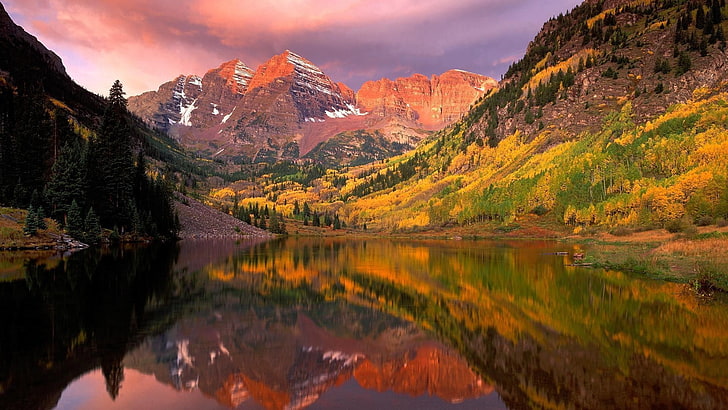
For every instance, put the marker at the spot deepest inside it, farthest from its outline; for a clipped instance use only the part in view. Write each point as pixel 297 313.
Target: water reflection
pixel 356 324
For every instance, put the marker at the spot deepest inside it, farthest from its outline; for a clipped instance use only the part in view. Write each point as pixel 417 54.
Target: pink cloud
pixel 145 44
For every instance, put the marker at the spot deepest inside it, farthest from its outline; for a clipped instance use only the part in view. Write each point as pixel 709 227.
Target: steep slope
pixel 288 106
pixel 26 63
pixel 589 62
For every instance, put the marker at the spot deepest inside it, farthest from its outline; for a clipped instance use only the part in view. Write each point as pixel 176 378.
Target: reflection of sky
pixel 146 44
pixel 138 391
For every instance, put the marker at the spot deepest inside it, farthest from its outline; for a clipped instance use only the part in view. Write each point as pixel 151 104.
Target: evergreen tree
pixel 40 218
pixel 306 210
pixel 337 222
pixel 684 63
pixel 29 146
pixel 75 222
pixel 68 180
pixel 92 227
pixel 700 18
pixel 116 95
pixel 31 222
pixel 716 12
pixel 110 164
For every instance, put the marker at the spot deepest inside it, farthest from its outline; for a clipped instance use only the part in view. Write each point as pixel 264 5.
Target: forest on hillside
pixel 85 178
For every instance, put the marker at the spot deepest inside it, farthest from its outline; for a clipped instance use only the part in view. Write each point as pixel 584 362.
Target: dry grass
pixel 714 248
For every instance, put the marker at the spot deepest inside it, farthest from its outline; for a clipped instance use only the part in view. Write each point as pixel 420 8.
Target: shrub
pixel 621 231
pixel 540 210
pixel 721 222
pixel 704 220
pixel 681 226
pixel 674 226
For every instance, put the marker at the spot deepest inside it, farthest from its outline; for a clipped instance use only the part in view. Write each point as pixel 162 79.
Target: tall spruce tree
pixel 92 227
pixel 111 164
pixel 68 180
pixel 75 222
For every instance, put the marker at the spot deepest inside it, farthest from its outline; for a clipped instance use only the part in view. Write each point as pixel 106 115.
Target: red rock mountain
pixel 288 106
pixel 435 102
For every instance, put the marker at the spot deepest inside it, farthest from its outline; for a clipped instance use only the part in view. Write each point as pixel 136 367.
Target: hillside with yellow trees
pixel 614 119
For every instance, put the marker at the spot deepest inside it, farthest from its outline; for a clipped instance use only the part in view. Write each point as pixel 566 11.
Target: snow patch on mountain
pixel 242 76
pixel 227 117
pixel 195 80
pixel 186 113
pixel 343 113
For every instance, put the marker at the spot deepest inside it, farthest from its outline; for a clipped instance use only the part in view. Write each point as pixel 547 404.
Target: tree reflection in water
pixel 283 322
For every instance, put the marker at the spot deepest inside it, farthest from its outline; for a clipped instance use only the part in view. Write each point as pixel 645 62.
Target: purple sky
pixel 146 43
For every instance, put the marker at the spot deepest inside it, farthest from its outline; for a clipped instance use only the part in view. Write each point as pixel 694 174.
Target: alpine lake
pixel 344 323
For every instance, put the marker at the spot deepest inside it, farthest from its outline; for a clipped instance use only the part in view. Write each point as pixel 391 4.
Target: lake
pixel 341 323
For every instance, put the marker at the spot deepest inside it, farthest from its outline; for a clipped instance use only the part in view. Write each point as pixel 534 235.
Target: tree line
pixel 84 178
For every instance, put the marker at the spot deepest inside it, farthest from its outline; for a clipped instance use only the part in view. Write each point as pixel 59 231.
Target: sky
pixel 146 43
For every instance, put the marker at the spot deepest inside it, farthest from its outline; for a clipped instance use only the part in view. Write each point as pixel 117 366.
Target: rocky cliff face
pixel 433 102
pixel 286 107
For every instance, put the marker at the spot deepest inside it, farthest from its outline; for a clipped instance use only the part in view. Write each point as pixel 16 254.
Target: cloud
pixel 147 43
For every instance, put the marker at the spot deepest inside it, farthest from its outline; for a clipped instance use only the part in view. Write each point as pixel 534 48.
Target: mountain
pixel 26 63
pixel 591 61
pixel 613 120
pixel 433 102
pixel 288 106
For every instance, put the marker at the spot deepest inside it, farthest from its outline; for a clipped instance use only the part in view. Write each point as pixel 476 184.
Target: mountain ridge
pixel 287 106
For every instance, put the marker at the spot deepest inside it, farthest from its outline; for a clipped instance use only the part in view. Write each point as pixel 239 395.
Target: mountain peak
pixel 237 75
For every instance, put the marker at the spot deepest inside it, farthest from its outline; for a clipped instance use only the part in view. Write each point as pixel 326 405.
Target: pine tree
pixel 116 95
pixel 684 63
pixel 700 17
pixel 68 180
pixel 716 12
pixel 75 223
pixel 92 227
pixel 40 218
pixel 306 210
pixel 31 222
pixel 110 164
pixel 29 146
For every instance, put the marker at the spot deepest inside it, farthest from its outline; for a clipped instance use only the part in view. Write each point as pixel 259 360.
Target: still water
pixel 352 324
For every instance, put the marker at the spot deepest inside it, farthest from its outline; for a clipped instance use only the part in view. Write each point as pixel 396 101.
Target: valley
pixel 612 122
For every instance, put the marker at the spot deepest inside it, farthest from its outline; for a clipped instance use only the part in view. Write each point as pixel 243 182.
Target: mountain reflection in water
pixel 344 323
